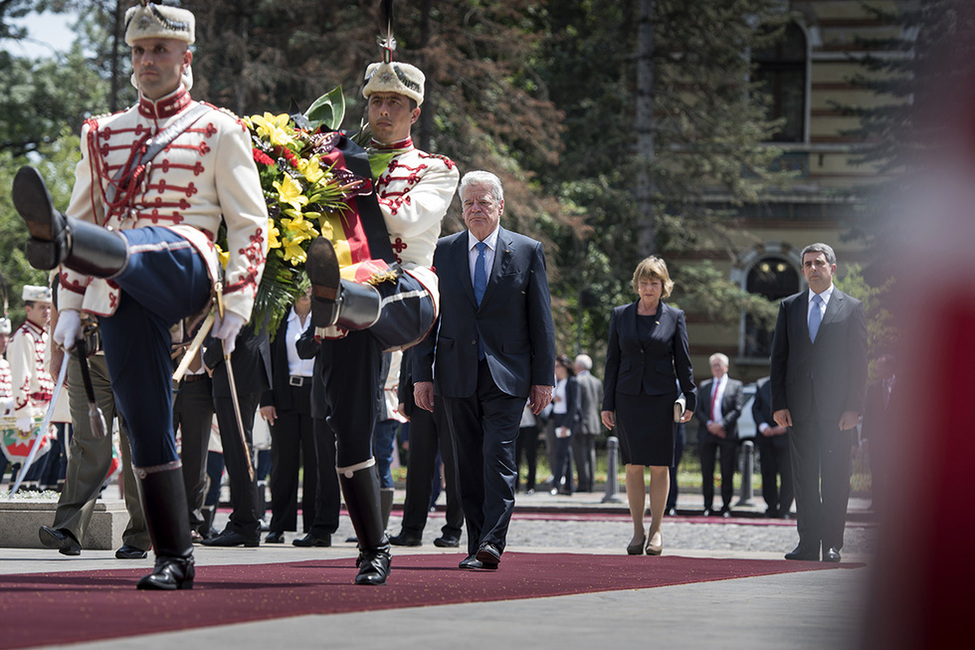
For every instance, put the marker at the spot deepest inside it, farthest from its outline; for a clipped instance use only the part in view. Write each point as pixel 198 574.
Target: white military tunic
pixel 206 174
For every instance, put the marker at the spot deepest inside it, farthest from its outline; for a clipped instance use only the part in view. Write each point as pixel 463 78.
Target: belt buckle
pixel 296 380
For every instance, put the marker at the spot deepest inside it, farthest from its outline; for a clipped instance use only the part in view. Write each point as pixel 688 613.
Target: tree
pixel 664 138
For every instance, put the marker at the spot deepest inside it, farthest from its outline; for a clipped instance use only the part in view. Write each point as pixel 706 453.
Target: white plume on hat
pixel 394 77
pixel 34 293
pixel 4 326
pixel 149 20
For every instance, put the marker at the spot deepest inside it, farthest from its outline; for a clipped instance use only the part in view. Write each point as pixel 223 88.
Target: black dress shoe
pixel 831 555
pixel 445 541
pixel 129 552
pixel 470 562
pixel 707 512
pixel 671 512
pixel 725 512
pixel 405 539
pixel 196 537
pixel 170 573
pixel 311 539
pixel 60 539
pixel 274 537
pixel 489 555
pixel 807 553
pixel 232 538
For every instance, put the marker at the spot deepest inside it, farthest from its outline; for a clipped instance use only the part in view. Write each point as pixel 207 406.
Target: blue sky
pixel 49 33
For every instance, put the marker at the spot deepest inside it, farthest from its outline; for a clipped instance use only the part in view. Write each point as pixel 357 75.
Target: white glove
pixel 25 424
pixel 226 329
pixel 68 330
pixel 6 405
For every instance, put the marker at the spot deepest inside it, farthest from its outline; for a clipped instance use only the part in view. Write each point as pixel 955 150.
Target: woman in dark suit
pixel 646 357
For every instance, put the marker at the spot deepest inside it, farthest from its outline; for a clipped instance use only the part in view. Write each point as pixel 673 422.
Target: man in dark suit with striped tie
pixel 818 376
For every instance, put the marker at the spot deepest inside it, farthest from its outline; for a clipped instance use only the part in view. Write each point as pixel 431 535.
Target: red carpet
pixel 93 605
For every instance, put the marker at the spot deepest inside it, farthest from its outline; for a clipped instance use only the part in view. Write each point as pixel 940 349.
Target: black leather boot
pixel 361 492
pixel 164 502
pixel 334 301
pixel 58 239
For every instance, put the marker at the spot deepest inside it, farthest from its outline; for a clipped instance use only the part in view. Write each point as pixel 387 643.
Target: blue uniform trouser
pixel 353 365
pixel 164 281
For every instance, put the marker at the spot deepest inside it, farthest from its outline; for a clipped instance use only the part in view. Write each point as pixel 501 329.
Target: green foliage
pixel 883 335
pixel 703 289
pixel 327 111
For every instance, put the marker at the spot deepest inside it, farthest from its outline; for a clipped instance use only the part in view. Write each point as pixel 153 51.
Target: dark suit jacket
pixel 251 361
pixel 633 368
pixel 513 322
pixel 825 378
pixel 732 402
pixel 875 419
pixel 762 412
pixel 279 395
pixel 572 401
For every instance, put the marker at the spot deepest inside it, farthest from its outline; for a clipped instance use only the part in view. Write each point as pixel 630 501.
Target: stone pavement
pixel 815 609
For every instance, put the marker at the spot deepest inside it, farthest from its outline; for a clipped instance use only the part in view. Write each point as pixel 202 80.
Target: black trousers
pixel 708 447
pixel 293 447
pixel 429 433
pixel 244 519
pixel 484 428
pixel 327 495
pixel 527 446
pixel 821 469
pixel 679 443
pixel 193 416
pixel 776 466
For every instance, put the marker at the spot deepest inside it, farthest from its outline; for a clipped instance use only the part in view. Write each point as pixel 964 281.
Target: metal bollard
pixel 612 482
pixel 747 468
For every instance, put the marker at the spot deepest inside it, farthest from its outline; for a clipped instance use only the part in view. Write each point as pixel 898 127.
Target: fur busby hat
pixel 33 293
pixel 387 76
pixel 150 20
pixel 394 77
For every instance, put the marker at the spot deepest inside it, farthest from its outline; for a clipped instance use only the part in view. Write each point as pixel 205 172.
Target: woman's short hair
pixel 653 268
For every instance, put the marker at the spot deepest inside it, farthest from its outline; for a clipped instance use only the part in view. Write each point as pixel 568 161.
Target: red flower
pixel 261 157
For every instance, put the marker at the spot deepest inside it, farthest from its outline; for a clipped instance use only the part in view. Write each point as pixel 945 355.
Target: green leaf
pixel 328 111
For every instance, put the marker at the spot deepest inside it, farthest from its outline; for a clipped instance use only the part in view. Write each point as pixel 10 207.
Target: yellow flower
pixel 273 128
pixel 295 232
pixel 272 235
pixel 289 192
pixel 310 169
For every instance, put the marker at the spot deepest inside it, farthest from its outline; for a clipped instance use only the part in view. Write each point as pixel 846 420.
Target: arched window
pixel 774 278
pixel 781 71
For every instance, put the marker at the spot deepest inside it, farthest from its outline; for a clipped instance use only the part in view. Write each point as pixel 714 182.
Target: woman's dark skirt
pixel 646 428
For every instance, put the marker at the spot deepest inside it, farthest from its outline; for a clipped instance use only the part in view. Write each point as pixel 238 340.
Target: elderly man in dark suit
pixel 818 376
pixel 494 349
pixel 584 439
pixel 718 410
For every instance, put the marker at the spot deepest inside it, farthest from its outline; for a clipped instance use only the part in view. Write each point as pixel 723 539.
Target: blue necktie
pixel 816 317
pixel 480 275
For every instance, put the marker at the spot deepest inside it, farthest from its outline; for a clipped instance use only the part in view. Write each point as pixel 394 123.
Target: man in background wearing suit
pixel 494 349
pixel 772 441
pixel 876 424
pixel 818 375
pixel 251 361
pixel 584 440
pixel 718 410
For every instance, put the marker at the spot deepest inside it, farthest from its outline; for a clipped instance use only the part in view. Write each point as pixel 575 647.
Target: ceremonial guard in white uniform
pixel 31 383
pixel 357 320
pixel 137 249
